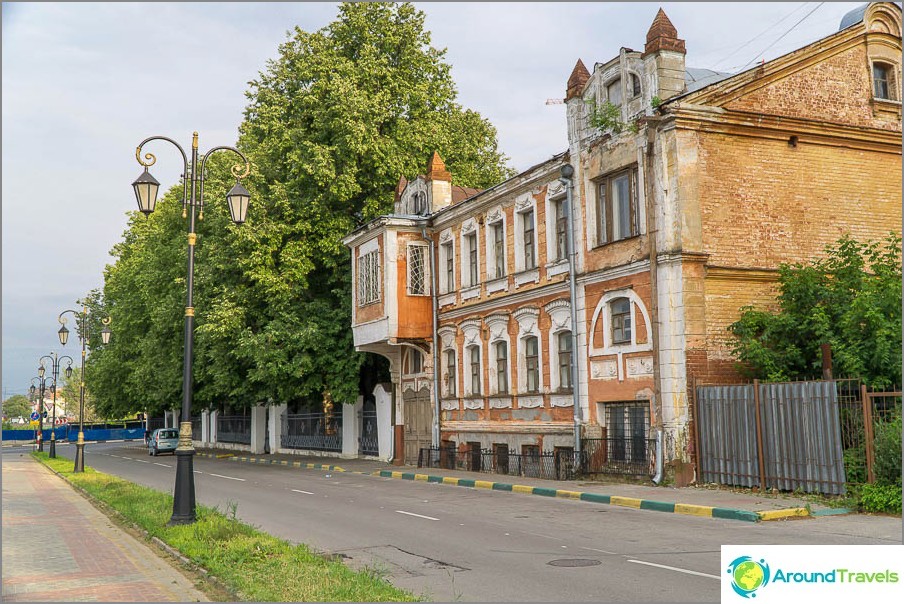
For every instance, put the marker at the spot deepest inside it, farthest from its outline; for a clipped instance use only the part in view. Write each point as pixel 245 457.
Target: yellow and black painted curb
pixel 686 509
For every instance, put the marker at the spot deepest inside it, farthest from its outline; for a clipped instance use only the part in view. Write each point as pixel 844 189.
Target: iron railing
pixel 312 431
pixel 628 456
pixel 553 465
pixel 368 442
pixel 196 427
pixel 234 429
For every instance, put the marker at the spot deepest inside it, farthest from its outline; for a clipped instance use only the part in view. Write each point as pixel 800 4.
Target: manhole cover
pixel 575 562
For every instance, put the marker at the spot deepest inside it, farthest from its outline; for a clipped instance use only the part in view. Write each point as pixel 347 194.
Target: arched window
pixel 635 86
pixel 501 367
pixel 532 363
pixel 621 320
pixel 564 342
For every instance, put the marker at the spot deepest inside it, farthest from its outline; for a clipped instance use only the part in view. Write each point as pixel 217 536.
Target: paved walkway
pixel 58 548
pixel 742 505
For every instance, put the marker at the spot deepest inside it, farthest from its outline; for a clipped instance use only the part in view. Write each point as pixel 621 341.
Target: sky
pixel 84 83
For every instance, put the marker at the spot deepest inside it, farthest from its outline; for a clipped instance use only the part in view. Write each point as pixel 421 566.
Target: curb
pixel 686 509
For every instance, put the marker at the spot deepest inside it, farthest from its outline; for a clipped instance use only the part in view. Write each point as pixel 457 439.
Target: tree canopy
pixel 850 299
pixel 330 126
pixel 17 405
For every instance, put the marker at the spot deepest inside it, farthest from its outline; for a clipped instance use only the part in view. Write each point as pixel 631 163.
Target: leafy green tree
pixel 850 299
pixel 330 126
pixel 17 405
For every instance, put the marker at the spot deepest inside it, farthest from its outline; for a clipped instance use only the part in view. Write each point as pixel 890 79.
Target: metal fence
pixel 618 456
pixel 196 427
pixel 234 429
pixel 312 431
pixel 554 465
pixel 368 442
pixel 786 436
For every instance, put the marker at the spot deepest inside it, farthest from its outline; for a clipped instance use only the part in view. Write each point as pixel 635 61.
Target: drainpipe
pixel 436 355
pixel 657 478
pixel 567 171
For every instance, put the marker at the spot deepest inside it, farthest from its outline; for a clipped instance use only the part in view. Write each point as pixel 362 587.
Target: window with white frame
pixel 561 230
pixel 450 372
pixel 419 203
pixel 616 210
pixel 532 364
pixel 497 249
pixel 501 350
pixel 565 359
pixel 414 362
pixel 369 278
pixel 528 239
pixel 620 311
pixel 447 259
pixel 473 262
pixel 417 270
pixel 474 369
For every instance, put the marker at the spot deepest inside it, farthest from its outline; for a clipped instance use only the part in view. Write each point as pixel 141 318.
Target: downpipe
pixel 657 477
pixel 436 353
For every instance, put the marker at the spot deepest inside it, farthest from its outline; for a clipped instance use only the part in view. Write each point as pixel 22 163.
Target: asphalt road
pixel 453 543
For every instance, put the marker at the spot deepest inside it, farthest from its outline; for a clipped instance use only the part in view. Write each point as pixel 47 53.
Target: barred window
pixel 628 425
pixel 417 270
pixel 532 363
pixel 369 278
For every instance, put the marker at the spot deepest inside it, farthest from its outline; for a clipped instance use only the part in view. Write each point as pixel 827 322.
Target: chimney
pixel 439 183
pixel 663 56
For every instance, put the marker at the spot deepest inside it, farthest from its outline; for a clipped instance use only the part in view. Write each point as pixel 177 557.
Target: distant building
pixel 689 189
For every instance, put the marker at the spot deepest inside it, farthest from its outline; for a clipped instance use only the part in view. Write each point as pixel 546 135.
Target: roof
pixel 853 17
pixel 696 78
pixel 462 193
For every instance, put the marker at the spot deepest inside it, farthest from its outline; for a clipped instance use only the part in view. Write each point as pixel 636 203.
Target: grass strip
pixel 254 565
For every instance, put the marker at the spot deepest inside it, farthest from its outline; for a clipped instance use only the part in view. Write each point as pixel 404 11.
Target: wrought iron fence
pixel 368 443
pixel 196 427
pixel 553 465
pixel 628 456
pixel 234 429
pixel 312 431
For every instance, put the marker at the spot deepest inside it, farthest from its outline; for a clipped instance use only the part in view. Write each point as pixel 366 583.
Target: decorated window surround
pixel 602 320
pixel 559 312
pixel 471 329
pixel 497 327
pixel 528 319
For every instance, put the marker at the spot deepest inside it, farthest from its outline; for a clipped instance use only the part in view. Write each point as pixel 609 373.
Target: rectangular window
pixel 565 360
pixel 617 207
pixel 614 92
pixel 417 270
pixel 502 368
pixel 628 427
pixel 527 220
pixel 880 80
pixel 450 373
pixel 499 249
pixel 449 255
pixel 368 278
pixel 561 231
pixel 475 369
pixel 621 321
pixel 532 364
pixel 472 259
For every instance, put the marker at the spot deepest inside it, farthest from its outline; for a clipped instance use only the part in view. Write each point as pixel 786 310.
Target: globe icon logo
pixel 748 575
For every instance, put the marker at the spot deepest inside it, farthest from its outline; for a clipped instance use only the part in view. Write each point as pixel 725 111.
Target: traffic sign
pixel 35 415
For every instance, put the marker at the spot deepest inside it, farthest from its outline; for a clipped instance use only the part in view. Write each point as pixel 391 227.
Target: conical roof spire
pixel 436 169
pixel 577 80
pixel 662 35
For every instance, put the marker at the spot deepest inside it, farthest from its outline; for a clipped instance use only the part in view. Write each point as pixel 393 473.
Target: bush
pixel 888 453
pixel 881 498
pixel 855 464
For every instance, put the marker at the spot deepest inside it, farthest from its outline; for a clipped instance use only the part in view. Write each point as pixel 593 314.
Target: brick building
pixel 689 187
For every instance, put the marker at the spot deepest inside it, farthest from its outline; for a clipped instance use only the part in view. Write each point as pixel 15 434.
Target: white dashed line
pixel 141 461
pixel 680 570
pixel 198 472
pixel 416 515
pixel 305 492
pixel 129 458
pixel 162 464
pixel 227 477
pixel 602 551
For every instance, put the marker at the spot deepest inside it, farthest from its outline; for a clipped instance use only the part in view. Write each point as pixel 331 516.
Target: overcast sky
pixel 84 83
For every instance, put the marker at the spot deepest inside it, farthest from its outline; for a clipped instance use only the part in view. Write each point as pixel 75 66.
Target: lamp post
pixel 146 187
pixel 55 359
pixel 43 381
pixel 82 321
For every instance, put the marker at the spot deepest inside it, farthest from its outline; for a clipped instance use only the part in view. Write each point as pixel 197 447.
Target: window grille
pixel 369 278
pixel 417 270
pixel 628 426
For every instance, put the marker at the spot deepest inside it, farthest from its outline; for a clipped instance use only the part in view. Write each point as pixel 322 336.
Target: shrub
pixel 888 453
pixel 881 498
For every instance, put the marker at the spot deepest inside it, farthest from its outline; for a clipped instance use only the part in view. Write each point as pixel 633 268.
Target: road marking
pixel 416 515
pixel 602 551
pixel 164 465
pixel 111 455
pixel 141 461
pixel 229 477
pixel 129 458
pixel 198 472
pixel 680 570
pixel 305 492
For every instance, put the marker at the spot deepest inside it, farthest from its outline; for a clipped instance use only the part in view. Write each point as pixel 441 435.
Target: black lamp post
pixel 146 188
pixel 55 371
pixel 82 320
pixel 43 381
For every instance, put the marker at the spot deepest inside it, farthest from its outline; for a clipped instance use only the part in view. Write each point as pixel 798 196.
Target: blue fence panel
pixel 29 435
pixel 71 432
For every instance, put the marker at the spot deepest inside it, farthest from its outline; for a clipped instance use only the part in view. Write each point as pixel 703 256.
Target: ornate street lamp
pixel 33 390
pixel 82 321
pixel 146 188
pixel 55 371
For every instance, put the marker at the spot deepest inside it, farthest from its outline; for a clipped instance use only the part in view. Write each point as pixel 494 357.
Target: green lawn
pixel 256 566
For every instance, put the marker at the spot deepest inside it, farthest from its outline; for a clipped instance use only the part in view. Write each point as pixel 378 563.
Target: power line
pixel 758 36
pixel 793 27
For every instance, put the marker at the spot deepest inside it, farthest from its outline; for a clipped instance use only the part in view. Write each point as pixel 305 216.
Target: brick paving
pixel 58 548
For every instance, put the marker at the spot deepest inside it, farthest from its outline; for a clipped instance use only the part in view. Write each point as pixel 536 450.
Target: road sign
pixel 35 415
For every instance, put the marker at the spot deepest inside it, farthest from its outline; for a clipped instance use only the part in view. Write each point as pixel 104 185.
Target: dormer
pixel 428 192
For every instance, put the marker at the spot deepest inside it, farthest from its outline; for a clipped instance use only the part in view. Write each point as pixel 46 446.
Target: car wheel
pixel 154 451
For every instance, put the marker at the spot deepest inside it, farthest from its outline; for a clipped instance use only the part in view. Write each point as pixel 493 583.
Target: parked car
pixel 163 440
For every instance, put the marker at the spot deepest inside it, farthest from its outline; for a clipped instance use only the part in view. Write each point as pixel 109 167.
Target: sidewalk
pixel 696 501
pixel 58 548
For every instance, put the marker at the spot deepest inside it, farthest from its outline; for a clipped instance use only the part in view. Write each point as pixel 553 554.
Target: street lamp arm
pixel 152 159
pixel 236 169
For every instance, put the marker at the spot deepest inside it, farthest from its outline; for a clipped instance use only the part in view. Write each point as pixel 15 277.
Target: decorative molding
pixel 498 326
pixel 445 236
pixel 469 293
pixel 556 268
pixel 561 401
pixel 501 402
pixel 474 403
pixel 604 370
pixel 527 318
pixel 523 202
pixel 447 299
pixel 639 366
pixel 529 276
pixel 449 405
pixel 468 226
pixel 497 285
pixel 495 215
pixel 530 402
